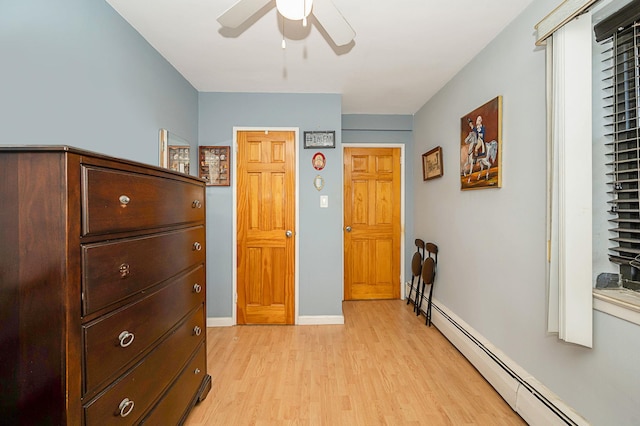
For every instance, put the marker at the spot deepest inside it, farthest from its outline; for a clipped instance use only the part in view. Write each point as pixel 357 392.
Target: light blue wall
pixel 320 232
pixel 396 129
pixel 74 72
pixel 491 265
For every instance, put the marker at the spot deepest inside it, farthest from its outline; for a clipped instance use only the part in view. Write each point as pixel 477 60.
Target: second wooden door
pixel 372 201
pixel 266 227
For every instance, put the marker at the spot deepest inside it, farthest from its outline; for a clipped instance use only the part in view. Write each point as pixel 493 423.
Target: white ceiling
pixel 403 53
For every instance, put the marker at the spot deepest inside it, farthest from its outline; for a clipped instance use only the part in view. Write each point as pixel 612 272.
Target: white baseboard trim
pixel 321 320
pixel 533 401
pixel 220 322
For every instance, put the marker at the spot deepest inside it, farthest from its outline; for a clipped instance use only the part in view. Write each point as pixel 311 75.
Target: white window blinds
pixel 620 33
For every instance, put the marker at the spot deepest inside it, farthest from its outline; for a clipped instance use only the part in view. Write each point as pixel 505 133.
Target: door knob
pixel 348 229
pixel 289 234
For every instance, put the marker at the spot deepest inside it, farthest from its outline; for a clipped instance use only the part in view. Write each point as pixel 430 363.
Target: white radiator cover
pixel 533 401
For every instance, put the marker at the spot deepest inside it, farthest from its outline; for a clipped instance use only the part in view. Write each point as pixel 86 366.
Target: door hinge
pixel 236 298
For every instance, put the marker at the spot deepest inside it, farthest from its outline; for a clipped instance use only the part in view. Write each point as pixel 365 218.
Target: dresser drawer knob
pixel 196 204
pixel 197 288
pixel 197 330
pixel 196 371
pixel 126 407
pixel 197 246
pixel 126 338
pixel 125 270
pixel 124 200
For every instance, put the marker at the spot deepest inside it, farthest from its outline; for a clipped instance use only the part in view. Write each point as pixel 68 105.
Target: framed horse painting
pixel 481 147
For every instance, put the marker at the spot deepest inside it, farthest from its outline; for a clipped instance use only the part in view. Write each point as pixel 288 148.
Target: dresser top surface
pixel 51 148
pixel 18 149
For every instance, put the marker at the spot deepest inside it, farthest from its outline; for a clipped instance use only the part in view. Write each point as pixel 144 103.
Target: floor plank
pixel 382 367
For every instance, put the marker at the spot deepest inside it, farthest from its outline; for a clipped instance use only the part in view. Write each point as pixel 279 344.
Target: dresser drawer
pixel 114 340
pixel 120 201
pixel 117 269
pixel 132 395
pixel 173 406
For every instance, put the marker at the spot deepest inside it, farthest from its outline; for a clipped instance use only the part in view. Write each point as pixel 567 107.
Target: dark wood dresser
pixel 102 290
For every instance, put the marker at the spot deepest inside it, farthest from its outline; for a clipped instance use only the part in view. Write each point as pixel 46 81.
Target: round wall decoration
pixel 318 161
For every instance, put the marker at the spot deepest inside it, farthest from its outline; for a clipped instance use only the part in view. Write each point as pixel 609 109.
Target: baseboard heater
pixel 533 401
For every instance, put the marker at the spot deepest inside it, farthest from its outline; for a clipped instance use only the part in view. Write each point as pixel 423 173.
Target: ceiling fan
pixel 325 12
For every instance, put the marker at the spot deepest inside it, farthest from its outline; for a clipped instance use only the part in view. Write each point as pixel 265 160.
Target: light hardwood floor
pixel 382 367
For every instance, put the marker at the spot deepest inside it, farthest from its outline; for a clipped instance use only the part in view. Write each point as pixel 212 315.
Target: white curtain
pixel 569 229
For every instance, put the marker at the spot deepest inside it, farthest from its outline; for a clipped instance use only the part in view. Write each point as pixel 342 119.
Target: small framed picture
pixel 321 139
pixel 178 158
pixel 214 164
pixel 432 164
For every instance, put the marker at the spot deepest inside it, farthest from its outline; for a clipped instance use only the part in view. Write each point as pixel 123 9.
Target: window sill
pixel 620 302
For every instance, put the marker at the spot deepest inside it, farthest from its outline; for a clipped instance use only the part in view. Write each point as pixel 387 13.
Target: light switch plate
pixel 324 201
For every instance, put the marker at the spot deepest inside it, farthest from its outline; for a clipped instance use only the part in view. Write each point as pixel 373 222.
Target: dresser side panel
pixel 35 287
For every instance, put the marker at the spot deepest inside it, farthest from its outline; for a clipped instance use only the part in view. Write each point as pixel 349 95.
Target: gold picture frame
pixel 432 164
pixel 481 147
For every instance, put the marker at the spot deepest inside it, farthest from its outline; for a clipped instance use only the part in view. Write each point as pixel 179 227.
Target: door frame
pixel 402 205
pixel 234 215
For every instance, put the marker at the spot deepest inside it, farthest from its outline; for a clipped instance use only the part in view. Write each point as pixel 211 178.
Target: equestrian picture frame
pixel 432 164
pixel 481 147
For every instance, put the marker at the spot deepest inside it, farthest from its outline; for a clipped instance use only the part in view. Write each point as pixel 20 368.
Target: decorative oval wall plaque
pixel 318 182
pixel 318 161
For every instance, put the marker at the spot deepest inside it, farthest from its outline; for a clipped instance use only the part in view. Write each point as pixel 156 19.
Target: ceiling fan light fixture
pixel 325 14
pixel 294 10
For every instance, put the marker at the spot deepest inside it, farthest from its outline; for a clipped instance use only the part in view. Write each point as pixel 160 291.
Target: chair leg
pixel 419 298
pixel 417 293
pixel 428 312
pixel 410 290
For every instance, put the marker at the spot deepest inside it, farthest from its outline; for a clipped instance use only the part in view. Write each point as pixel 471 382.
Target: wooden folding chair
pixel 427 275
pixel 416 268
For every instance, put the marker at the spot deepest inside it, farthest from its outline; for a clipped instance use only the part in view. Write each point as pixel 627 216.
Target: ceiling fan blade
pixel 333 22
pixel 237 14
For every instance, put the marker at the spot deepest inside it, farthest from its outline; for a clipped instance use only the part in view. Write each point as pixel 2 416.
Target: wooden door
pixel 372 223
pixel 266 227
